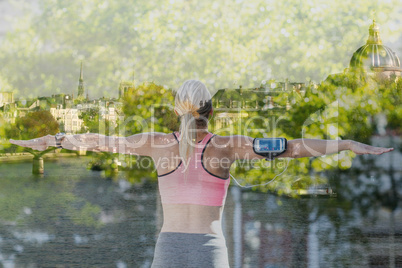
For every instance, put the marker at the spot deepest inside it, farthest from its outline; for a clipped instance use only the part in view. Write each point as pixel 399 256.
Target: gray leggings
pixel 190 250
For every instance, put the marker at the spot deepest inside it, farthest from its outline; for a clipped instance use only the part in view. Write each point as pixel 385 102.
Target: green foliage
pixel 2 127
pixel 93 123
pixel 345 106
pixel 33 125
pixel 136 173
pixel 391 103
pixel 84 213
pixel 149 107
pixel 104 161
pixel 141 174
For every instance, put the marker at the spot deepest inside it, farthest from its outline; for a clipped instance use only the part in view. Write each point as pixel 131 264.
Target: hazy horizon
pixel 223 44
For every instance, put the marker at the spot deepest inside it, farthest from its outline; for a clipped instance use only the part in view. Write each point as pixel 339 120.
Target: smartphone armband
pixel 270 147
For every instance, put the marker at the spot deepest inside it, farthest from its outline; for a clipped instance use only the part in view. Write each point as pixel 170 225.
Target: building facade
pixel 68 119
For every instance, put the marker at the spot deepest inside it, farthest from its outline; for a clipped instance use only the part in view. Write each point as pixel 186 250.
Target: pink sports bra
pixel 200 187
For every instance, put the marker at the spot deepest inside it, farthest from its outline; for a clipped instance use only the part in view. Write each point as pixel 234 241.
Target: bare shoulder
pixel 162 138
pixel 149 143
pixel 235 146
pixel 220 140
pixel 154 138
pixel 233 140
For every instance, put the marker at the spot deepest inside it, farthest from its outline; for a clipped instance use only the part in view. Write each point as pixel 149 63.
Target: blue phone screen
pixel 267 145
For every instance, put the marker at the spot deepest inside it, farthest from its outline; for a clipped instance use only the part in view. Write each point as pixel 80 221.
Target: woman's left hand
pixel 39 144
pixel 361 148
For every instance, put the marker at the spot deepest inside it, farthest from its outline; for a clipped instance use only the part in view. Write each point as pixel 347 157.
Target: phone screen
pixel 270 145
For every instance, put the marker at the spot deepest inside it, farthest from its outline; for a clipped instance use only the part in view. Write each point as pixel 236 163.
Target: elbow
pixel 294 148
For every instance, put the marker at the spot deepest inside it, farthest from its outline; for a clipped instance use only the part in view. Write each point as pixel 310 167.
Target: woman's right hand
pixel 39 144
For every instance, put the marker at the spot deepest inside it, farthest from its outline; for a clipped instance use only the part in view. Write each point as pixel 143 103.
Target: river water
pixel 74 217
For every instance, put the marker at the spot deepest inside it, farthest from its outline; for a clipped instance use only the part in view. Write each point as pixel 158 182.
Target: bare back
pixel 192 218
pixel 216 157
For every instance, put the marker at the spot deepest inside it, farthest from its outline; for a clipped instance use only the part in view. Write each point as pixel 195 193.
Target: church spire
pixel 81 74
pixel 81 83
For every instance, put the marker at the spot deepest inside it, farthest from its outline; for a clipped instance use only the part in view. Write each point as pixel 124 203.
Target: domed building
pixel 375 58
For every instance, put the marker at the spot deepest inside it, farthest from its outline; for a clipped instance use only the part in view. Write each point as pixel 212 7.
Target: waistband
pixel 191 238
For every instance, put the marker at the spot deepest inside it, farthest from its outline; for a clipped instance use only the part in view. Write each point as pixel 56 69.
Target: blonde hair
pixel 190 97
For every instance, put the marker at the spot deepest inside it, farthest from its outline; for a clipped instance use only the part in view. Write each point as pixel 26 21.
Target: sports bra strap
pixel 175 137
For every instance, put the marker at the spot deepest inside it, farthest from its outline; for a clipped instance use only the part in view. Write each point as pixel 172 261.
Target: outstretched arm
pixel 242 148
pixel 140 144
pixel 313 147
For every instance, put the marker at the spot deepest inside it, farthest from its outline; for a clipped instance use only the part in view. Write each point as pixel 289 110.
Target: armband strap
pixel 59 137
pixel 270 154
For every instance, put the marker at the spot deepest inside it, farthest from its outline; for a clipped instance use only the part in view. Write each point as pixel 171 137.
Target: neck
pixel 201 129
pixel 201 132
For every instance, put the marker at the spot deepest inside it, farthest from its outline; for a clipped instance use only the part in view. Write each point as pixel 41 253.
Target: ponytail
pixel 188 135
pixel 190 97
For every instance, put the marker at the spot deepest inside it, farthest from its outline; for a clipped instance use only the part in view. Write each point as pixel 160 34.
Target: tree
pixel 342 107
pixel 92 122
pixel 33 125
pixel 149 107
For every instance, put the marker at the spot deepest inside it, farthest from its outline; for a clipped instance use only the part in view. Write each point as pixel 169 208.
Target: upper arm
pixel 241 147
pixel 147 144
pixel 238 147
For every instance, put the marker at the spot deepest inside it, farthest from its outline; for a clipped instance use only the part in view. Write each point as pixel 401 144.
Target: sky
pixel 243 58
